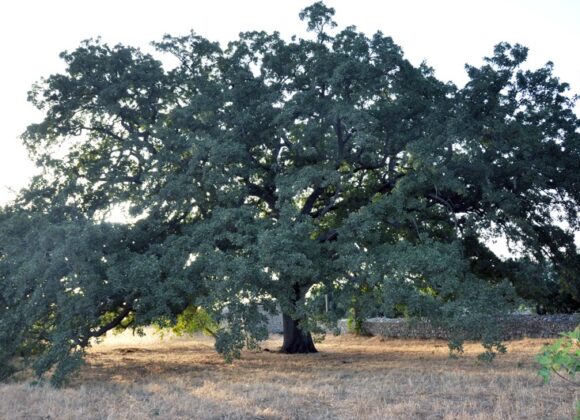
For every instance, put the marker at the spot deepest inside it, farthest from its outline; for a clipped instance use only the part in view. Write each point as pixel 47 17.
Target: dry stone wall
pixel 275 325
pixel 514 327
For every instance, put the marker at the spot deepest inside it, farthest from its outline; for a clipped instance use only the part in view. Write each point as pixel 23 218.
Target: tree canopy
pixel 262 175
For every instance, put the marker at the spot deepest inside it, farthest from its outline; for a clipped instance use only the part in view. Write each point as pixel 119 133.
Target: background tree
pixel 269 172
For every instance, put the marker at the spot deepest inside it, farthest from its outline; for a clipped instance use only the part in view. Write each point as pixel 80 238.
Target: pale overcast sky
pixel 445 33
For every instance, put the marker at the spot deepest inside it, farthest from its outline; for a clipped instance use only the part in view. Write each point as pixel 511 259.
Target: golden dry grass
pixel 363 378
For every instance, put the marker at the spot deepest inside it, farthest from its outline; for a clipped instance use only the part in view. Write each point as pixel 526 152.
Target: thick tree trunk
pixel 296 340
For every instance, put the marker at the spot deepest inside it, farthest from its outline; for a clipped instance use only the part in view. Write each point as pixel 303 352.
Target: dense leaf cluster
pixel 270 172
pixel 562 356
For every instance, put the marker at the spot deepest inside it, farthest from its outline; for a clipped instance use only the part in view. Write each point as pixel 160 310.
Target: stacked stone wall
pixel 514 326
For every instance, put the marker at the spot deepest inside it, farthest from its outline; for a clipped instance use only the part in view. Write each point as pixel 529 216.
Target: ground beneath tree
pixel 364 378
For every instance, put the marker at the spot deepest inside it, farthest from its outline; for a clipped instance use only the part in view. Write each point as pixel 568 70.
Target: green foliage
pixel 354 323
pixel 192 320
pixel 561 357
pixel 260 172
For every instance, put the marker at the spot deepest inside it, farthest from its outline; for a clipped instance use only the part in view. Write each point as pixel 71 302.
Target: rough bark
pixel 295 339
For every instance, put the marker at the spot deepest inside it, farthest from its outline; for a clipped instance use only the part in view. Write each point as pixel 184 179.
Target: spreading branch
pixel 103 329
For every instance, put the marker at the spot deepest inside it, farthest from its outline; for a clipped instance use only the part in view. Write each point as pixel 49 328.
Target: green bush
pixel 563 359
pixel 192 320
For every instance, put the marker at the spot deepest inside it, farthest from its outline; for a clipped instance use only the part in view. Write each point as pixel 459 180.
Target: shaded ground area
pixel 351 377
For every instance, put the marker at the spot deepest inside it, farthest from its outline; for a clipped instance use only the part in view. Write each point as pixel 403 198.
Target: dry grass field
pixel 351 378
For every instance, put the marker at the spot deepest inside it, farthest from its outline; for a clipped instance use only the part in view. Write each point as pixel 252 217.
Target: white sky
pixel 446 33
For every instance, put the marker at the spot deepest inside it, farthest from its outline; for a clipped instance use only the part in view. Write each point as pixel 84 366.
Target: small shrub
pixel 563 359
pixel 192 320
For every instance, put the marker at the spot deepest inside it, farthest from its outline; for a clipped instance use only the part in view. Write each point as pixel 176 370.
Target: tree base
pixel 296 341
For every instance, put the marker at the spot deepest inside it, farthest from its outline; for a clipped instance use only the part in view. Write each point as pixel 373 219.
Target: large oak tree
pixel 263 175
